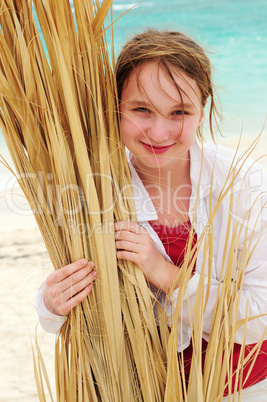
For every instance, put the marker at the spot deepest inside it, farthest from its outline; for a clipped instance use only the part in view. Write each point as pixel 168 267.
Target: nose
pixel 160 130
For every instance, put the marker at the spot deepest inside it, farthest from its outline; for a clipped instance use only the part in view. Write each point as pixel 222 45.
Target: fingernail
pixel 94 275
pixel 92 265
pixel 84 261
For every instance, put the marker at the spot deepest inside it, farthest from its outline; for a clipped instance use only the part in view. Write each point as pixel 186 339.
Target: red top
pixel 175 242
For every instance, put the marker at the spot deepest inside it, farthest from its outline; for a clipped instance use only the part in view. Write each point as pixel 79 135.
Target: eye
pixel 141 109
pixel 179 112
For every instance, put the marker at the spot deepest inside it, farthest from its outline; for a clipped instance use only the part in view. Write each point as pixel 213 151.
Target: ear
pixel 202 115
pixel 202 118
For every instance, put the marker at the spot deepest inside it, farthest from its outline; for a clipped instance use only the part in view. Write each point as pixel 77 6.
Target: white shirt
pixel 209 167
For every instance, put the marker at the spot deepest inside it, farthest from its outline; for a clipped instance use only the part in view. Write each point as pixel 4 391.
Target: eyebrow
pixel 134 103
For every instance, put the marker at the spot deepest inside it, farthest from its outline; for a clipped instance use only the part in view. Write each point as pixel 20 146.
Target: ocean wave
pixel 127 6
pixel 121 7
pixel 124 6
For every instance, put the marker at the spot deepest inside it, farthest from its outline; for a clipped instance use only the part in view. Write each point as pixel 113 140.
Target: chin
pixel 153 162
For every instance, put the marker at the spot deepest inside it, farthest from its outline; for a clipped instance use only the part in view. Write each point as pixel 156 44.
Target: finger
pixel 130 226
pixel 62 304
pixel 129 256
pixel 71 268
pixel 67 306
pixel 79 297
pixel 75 278
pixel 128 246
pixel 127 236
pixel 64 272
pixel 78 287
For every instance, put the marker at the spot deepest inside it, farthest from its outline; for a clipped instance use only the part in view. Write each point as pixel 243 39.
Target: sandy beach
pixel 24 265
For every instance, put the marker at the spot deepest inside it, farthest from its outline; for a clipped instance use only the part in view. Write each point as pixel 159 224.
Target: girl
pixel 164 83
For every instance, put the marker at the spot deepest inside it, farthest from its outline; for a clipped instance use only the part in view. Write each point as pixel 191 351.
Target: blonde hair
pixel 171 50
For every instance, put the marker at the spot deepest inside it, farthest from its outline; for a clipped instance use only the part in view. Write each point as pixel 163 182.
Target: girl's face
pixel 154 126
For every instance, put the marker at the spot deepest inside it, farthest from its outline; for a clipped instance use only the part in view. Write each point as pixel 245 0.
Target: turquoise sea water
pixel 234 31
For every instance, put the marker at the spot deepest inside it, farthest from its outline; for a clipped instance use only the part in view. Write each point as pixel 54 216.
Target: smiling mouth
pixel 155 149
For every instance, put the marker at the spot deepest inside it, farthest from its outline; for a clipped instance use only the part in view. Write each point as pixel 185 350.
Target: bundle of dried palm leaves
pixel 59 119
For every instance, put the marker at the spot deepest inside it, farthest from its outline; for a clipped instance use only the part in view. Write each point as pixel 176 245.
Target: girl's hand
pixel 134 244
pixel 68 286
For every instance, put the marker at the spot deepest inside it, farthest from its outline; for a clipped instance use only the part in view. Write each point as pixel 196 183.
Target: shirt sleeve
pixel 50 322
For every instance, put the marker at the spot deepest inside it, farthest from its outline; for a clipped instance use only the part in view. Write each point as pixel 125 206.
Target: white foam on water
pixel 122 7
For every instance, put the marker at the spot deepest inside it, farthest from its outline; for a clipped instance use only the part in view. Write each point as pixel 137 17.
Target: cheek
pixel 126 130
pixel 130 128
pixel 196 123
pixel 189 130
